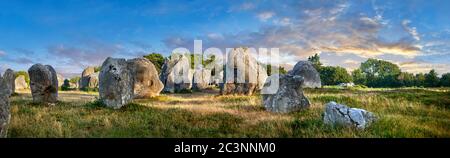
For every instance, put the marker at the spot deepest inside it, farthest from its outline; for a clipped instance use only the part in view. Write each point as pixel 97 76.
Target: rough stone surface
pixel 5 114
pixel 287 96
pixel 60 80
pixel 89 78
pixel 116 83
pixel 202 79
pixel 176 74
pixel 337 114
pixel 43 83
pixel 146 78
pixel 243 74
pixel 308 72
pixel 9 79
pixel 20 83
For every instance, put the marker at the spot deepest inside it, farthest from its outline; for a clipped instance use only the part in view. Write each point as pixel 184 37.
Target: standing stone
pixel 116 83
pixel 20 83
pixel 217 79
pixel 308 72
pixel 92 80
pixel 9 79
pixel 176 74
pixel 5 114
pixel 43 83
pixel 201 79
pixel 89 79
pixel 146 78
pixel 60 80
pixel 243 74
pixel 337 114
pixel 284 96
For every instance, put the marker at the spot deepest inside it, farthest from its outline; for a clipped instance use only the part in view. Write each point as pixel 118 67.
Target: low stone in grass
pixel 338 114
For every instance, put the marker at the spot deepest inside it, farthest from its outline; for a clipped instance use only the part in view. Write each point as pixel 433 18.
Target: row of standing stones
pixel 120 81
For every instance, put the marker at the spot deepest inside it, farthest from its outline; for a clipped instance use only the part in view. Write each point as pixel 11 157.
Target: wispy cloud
pixel 411 30
pixel 264 16
pixel 2 53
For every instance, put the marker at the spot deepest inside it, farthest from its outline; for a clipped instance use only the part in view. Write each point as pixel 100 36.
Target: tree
pixel 315 60
pixel 280 70
pixel 334 75
pixel 445 80
pixel 432 79
pixel 420 80
pixel 406 79
pixel 157 60
pixel 359 77
pixel 75 79
pixel 380 73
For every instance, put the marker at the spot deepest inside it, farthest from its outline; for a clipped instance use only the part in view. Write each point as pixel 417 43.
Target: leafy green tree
pixel 315 60
pixel 75 79
pixel 445 80
pixel 432 79
pixel 273 70
pixel 406 79
pixel 334 75
pixel 157 60
pixel 380 73
pixel 359 77
pixel 420 80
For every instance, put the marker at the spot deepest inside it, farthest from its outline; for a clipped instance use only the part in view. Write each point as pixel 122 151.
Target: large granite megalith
pixel 43 83
pixel 308 72
pixel 243 74
pixel 283 94
pixel 115 83
pixel 146 78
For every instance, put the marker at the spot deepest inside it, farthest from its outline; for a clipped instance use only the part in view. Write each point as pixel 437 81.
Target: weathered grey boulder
pixel 9 79
pixel 43 83
pixel 89 78
pixel 243 74
pixel 337 114
pixel 202 79
pixel 283 94
pixel 20 83
pixel 308 72
pixel 146 78
pixel 176 74
pixel 116 83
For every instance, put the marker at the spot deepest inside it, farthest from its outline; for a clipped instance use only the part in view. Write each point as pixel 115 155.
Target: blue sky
pixel 73 34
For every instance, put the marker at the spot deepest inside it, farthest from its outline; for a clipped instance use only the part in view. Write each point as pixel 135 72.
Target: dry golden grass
pixel 402 112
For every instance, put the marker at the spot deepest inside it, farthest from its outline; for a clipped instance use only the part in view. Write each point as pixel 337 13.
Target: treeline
pixel 371 73
pixel 378 73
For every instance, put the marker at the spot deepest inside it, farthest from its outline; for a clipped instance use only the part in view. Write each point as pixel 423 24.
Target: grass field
pixel 406 112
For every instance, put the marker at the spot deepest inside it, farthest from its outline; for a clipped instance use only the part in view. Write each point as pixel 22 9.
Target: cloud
pixel 264 16
pixel 2 53
pixel 85 54
pixel 411 30
pixel 333 28
pixel 242 7
pixel 423 67
pixel 283 21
